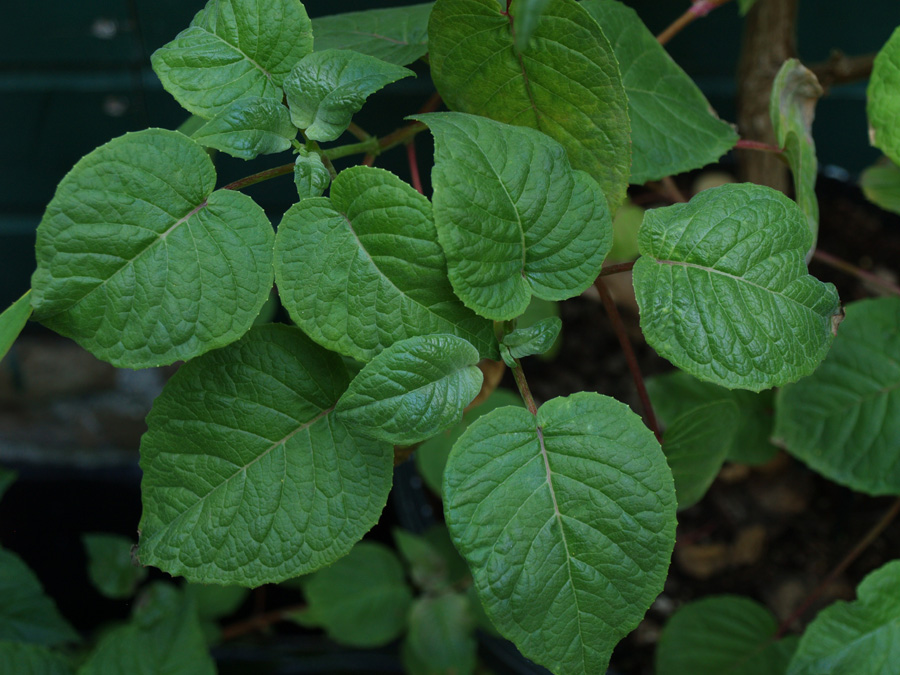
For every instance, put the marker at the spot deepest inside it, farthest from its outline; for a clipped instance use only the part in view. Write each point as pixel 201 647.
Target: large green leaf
pixel 883 106
pixel 13 320
pixel 361 600
pixel 673 128
pixel 248 476
pixel 110 566
pixel 326 88
pixel 233 49
pixel 567 521
pixel 27 614
pixel 880 184
pixel 248 127
pixel 856 637
pixel 441 639
pixel 364 269
pixel 565 83
pixel 139 260
pixel 525 18
pixel 18 658
pixel 844 420
pixel 513 218
pixel 397 35
pixel 413 390
pixel 722 634
pixel 724 292
pixel 792 108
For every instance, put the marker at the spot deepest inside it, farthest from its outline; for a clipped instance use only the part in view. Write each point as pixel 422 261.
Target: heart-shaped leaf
pixel 398 35
pixel 248 127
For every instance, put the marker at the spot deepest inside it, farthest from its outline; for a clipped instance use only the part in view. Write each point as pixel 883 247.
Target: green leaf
pixel 513 218
pixel 27 614
pixel 412 390
pixel 880 184
pixel 427 566
pixel 326 88
pixel 677 393
pixel 792 107
pixel 364 269
pixel 310 175
pixel 164 636
pixel 248 476
pixel 141 263
pixel 398 35
pixel 441 639
pixel 248 127
pixel 525 17
pixel 110 566
pixel 673 128
pixel 566 83
pixel 696 445
pixel 13 320
pixel 216 602
pixel 25 659
pixel 7 478
pixel 567 521
pixel 626 226
pixel 722 634
pixel 361 600
pixel 745 5
pixel 536 339
pixel 234 49
pixel 724 292
pixel 856 637
pixel 844 420
pixel 883 106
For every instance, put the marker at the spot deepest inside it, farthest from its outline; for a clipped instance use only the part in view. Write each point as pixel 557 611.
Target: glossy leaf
pixel 326 88
pixel 141 263
pixel 567 521
pixel 724 292
pixel 248 127
pixel 883 94
pixel 722 634
pixel 398 35
pixel 13 320
pixel 673 127
pixel 310 175
pixel 441 639
pixel 25 659
pixel 880 184
pixel 513 218
pixel 364 269
pixel 535 339
pixel 565 83
pixel 248 476
pixel 361 600
pixel 110 567
pixel 844 420
pixel 412 390
pixel 525 15
pixel 234 49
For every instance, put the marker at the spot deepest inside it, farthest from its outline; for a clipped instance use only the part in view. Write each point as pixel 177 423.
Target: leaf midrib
pixel 241 52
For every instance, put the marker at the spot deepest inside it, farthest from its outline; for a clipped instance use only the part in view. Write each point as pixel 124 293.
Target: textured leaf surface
pixel 310 175
pixel 413 390
pixel 141 263
pixel 792 108
pixel 13 320
pixel 566 82
pixel 844 420
pixel 249 127
pixel 25 659
pixel 535 339
pixel 673 128
pixel 441 639
pixel 233 49
pixel 724 292
pixel 722 634
pixel 398 35
pixel 883 105
pixel 364 269
pixel 248 476
pixel 110 567
pixel 856 637
pixel 526 15
pixel 881 185
pixel 27 614
pixel 567 521
pixel 512 216
pixel 361 600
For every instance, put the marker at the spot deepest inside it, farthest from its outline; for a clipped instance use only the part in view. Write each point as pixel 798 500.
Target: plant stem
pixel 255 178
pixel 414 165
pixel 630 356
pixel 368 145
pixel 698 9
pixel 359 132
pixel 744 144
pixel 259 622
pixel 671 189
pixel 853 270
pixel 616 269
pixel 524 389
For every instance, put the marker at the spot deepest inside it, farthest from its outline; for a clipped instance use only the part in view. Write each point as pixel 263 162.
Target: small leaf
pixel 566 83
pixel 512 216
pixel 567 521
pixel 722 634
pixel 673 127
pixel 361 600
pixel 856 637
pixel 525 14
pixel 248 476
pixel 427 567
pixel 248 127
pixel 398 35
pixel 536 339
pixel 724 292
pixel 25 659
pixel 326 88
pixel 880 184
pixel 234 49
pixel 412 390
pixel 110 566
pixel 13 320
pixel 883 106
pixel 441 639
pixel 141 263
pixel 844 420
pixel 310 175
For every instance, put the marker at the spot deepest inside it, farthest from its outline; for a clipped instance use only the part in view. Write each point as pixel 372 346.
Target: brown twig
pixel 853 270
pixel 259 622
pixel 524 389
pixel 744 144
pixel 843 69
pixel 698 9
pixel 414 166
pixel 616 269
pixel 255 178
